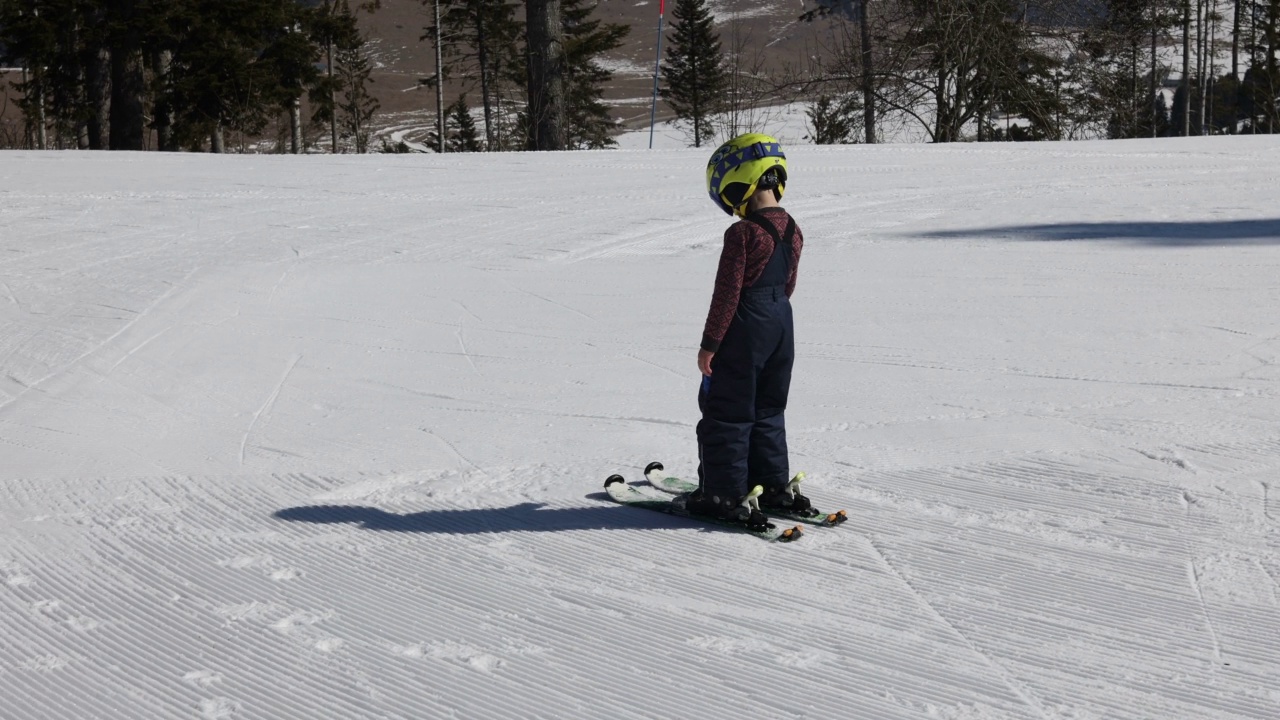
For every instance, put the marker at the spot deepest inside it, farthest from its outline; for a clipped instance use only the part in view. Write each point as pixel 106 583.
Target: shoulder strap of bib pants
pixel 780 242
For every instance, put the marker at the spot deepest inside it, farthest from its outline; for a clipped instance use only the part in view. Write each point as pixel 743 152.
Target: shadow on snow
pixel 525 517
pixel 1158 233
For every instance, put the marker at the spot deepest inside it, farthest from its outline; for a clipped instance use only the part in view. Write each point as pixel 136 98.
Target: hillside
pixel 324 436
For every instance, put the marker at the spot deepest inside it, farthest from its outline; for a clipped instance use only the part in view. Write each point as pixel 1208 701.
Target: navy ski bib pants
pixel 742 437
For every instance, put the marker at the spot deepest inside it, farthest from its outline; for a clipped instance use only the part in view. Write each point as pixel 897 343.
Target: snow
pixel 326 437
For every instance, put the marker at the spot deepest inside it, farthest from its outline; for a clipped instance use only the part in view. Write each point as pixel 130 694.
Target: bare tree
pixel 868 73
pixel 751 93
pixel 844 65
pixel 1186 68
pixel 949 62
pixel 1197 66
pixel 440 134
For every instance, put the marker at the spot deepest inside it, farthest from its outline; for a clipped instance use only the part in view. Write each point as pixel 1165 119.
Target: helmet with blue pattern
pixel 741 167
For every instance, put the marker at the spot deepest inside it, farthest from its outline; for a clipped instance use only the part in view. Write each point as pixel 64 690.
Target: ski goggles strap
pixel 757 151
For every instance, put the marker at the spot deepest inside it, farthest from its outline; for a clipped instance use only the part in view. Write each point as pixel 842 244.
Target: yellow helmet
pixel 735 169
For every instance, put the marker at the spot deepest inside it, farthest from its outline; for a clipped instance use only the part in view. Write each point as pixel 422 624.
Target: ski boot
pixel 788 498
pixel 745 511
pixel 789 503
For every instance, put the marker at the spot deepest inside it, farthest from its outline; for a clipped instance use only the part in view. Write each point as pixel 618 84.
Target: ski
pixel 628 495
pixel 658 478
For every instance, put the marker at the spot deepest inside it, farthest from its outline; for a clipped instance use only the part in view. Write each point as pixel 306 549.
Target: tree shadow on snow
pixel 525 517
pixel 1161 234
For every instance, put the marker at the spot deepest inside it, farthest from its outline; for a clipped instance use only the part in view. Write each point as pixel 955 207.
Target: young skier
pixel 748 342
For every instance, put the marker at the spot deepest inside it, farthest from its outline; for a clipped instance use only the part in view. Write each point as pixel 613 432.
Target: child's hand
pixel 704 361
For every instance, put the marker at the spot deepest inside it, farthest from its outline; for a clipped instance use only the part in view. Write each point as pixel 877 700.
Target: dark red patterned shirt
pixel 747 249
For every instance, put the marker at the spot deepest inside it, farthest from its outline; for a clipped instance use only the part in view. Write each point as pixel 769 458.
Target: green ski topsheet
pixel 626 494
pixel 658 478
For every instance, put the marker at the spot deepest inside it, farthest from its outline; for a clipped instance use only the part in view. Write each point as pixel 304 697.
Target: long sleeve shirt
pixel 747 249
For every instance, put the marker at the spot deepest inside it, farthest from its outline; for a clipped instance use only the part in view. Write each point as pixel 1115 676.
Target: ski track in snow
pixel 1013 685
pixel 266 406
pixel 1041 378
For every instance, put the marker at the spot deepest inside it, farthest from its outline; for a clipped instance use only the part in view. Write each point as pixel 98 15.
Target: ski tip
pixel 655 465
pixel 791 534
pixel 613 479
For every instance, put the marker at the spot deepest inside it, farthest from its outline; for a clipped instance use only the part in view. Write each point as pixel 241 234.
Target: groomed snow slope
pixel 325 437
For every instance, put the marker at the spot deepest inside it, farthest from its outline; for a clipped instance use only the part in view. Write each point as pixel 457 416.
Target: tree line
pixel 540 82
pixel 107 74
pixel 113 74
pixel 995 70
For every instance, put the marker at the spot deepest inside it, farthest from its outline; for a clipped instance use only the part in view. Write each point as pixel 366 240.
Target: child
pixel 748 344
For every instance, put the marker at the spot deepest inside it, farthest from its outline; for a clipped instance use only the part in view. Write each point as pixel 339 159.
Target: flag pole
pixel 657 66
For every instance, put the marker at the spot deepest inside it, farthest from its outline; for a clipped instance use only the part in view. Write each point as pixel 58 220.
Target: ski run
pixel 325 437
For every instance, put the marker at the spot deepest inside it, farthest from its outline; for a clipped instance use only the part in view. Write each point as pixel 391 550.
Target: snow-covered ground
pixel 302 437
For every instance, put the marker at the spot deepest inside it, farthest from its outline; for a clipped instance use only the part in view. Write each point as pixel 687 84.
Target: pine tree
pixel 694 71
pixel 30 40
pixel 1179 113
pixel 1116 66
pixel 465 138
pixel 214 84
pixel 225 65
pixel 1162 120
pixel 61 45
pixel 196 68
pixel 832 119
pixel 356 105
pixel 589 124
pixel 461 133
pixel 128 83
pixel 480 46
pixel 294 57
pixel 1260 89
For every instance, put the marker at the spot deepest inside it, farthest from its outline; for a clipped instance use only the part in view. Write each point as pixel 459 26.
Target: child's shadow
pixel 525 517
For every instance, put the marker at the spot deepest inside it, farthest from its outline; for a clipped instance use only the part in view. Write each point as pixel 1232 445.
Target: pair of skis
pixel 655 474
